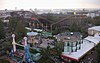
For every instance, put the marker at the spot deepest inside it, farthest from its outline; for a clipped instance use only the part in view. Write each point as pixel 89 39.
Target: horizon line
pixel 48 8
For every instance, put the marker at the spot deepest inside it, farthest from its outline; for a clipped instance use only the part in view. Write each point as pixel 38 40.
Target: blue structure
pixel 12 52
pixel 27 55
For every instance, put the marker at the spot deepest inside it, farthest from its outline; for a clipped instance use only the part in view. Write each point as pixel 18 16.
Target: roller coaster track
pixel 62 20
pixel 65 23
pixel 62 23
pixel 58 23
pixel 40 17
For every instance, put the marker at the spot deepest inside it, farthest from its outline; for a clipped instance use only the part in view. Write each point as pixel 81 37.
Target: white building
pixel 93 14
pixel 93 30
pixel 5 13
pixel 88 44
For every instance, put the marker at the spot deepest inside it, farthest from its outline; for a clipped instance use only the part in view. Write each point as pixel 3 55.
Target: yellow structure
pixel 74 13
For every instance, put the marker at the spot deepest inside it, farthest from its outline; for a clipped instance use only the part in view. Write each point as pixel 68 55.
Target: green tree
pixel 2 31
pixel 98 51
pixel 51 17
pixel 59 48
pixel 97 21
pixel 20 29
pixel 73 27
pixel 46 57
pixel 12 23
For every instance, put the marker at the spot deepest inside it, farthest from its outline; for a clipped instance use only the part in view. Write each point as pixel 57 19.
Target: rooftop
pixel 69 39
pixel 69 36
pixel 97 28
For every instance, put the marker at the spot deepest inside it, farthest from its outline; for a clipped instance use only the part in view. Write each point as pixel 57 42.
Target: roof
pixel 45 42
pixel 28 28
pixel 97 28
pixel 68 39
pixel 69 36
pixel 32 33
pixel 34 18
pixel 38 30
pixel 88 43
pixel 93 39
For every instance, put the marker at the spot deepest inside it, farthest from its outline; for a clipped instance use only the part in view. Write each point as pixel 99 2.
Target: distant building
pixel 5 13
pixel 93 14
pixel 93 30
pixel 25 14
pixel 72 42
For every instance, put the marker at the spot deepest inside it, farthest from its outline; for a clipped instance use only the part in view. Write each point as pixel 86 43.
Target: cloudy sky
pixel 48 4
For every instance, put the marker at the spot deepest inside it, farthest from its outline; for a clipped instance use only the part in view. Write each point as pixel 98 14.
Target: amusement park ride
pixel 27 56
pixel 36 24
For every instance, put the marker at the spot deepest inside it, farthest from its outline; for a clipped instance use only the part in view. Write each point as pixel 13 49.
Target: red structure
pixel 33 18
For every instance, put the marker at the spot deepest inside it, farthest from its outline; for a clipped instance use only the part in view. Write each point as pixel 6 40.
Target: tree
pixel 98 51
pixel 59 48
pixel 74 27
pixel 12 23
pixel 97 21
pixel 46 57
pixel 2 31
pixel 51 17
pixel 20 29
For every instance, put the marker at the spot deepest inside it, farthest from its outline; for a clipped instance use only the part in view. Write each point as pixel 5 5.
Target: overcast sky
pixel 48 4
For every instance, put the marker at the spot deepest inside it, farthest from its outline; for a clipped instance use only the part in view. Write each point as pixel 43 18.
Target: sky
pixel 48 4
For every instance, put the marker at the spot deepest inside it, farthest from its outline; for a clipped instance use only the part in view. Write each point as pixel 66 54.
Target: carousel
pixel 31 38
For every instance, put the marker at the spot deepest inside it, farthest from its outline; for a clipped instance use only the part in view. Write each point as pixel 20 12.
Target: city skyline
pixel 48 4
